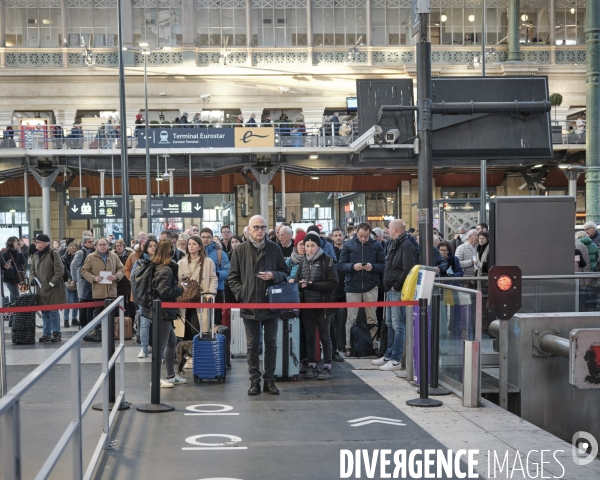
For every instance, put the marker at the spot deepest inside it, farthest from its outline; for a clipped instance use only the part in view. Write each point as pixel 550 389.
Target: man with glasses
pixel 592 231
pixel 255 266
pixel 226 238
pixel 84 289
pixel 47 271
pixel 215 252
pixel 102 269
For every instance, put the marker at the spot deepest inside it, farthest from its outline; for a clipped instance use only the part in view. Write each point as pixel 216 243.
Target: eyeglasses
pixel 226 231
pixel 259 227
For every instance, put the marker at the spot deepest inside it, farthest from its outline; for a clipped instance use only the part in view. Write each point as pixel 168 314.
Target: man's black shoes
pixel 255 388
pixel 336 357
pixel 270 387
pixel 93 336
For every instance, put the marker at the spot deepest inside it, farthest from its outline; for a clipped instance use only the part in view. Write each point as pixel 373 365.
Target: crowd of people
pixel 362 264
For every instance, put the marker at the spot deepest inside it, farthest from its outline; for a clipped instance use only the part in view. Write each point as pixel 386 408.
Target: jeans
pixel 71 298
pixel 13 290
pixel 145 324
pixel 313 319
pixel 370 296
pixel 270 348
pixel 168 341
pixel 51 320
pixel 395 319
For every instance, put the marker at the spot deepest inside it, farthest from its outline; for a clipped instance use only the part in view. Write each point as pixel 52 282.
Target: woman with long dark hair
pixel 148 251
pixel 165 287
pixel 199 267
pixel 13 265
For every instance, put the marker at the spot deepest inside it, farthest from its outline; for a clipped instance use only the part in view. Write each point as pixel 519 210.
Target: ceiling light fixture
pixel 539 165
pixel 313 157
pixel 471 18
pixel 524 17
pixel 317 205
pixel 443 18
pixel 316 177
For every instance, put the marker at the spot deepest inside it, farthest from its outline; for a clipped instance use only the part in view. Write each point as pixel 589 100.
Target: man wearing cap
pixel 47 271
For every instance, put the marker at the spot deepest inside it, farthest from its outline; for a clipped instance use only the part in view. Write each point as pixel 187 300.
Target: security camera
pixel 206 96
pixel 392 135
pixel 371 136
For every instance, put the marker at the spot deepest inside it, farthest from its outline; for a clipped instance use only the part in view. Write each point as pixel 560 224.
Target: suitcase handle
pixel 208 298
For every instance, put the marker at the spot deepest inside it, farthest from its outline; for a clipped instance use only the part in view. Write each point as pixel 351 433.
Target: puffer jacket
pixel 165 288
pixel 592 251
pixel 323 275
pixel 17 259
pixel 246 262
pixel 84 288
pixel 92 267
pixel 49 268
pixel 356 252
pixel 221 268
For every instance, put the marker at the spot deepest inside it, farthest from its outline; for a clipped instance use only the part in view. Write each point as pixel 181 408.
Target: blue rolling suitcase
pixel 288 349
pixel 209 354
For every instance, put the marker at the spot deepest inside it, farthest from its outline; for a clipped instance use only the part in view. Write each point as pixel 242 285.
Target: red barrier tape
pixel 45 308
pixel 289 306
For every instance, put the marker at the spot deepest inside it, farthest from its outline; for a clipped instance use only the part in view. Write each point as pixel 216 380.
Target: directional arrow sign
pixel 169 207
pixel 359 422
pixel 95 208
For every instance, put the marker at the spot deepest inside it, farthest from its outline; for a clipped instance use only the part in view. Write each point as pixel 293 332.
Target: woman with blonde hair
pixel 199 267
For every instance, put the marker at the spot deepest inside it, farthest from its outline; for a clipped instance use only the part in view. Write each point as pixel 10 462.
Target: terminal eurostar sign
pixel 194 137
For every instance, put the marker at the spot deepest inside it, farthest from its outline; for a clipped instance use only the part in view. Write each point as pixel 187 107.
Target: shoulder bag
pixel 283 293
pixel 194 290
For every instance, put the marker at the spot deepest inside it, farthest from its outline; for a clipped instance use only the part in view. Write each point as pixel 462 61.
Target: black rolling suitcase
pixel 23 323
pixel 223 330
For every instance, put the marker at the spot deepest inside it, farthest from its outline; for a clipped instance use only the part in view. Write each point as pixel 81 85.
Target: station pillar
pixel 592 174
pixel 263 178
pixel 46 183
pixel 514 51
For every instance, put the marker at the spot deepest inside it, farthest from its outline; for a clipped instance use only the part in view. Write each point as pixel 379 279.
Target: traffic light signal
pixel 504 291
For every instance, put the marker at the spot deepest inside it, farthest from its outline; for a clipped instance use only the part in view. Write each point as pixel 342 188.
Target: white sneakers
pixel 380 361
pixel 176 380
pixel 189 364
pixel 142 354
pixel 391 365
pixel 165 384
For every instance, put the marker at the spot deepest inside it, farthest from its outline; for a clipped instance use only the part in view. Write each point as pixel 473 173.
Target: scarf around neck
pixel 296 258
pixel 41 253
pixel 315 256
pixel 259 245
pixel 393 242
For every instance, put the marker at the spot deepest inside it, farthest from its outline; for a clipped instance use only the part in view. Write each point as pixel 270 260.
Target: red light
pixel 504 283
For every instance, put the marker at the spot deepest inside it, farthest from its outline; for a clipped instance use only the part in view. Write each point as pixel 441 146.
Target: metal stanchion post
pixel 111 352
pixel 434 388
pixel 155 406
pixel 423 400
pixel 3 382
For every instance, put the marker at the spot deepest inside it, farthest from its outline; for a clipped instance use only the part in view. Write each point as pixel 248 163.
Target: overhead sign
pixel 188 207
pixel 374 218
pixel 254 137
pixel 95 208
pixel 188 138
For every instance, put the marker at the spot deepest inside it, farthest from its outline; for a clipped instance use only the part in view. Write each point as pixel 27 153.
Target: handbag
pixel 194 290
pixel 283 293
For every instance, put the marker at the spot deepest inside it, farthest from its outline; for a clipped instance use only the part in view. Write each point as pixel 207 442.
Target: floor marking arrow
pixel 396 423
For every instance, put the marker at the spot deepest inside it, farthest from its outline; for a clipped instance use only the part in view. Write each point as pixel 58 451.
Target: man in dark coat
pixel 255 266
pixel 361 261
pixel 401 258
pixel 47 271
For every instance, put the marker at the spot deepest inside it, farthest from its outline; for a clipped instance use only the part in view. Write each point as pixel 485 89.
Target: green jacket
pixel 592 250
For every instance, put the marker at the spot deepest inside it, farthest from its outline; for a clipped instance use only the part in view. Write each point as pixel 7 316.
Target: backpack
pixel 141 283
pixel 361 340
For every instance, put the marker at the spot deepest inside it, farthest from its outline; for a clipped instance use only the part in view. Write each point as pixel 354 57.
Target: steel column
pixel 425 169
pixel 46 183
pixel 26 197
pixel 148 172
pixel 263 180
pixel 503 364
pixel 592 178
pixel 282 193
pixel 514 51
pixel 3 382
pixel 123 110
pixel 483 193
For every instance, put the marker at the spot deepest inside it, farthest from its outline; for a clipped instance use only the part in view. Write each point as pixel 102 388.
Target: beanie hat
pixel 313 237
pixel 313 228
pixel 299 237
pixel 42 237
pixel 138 116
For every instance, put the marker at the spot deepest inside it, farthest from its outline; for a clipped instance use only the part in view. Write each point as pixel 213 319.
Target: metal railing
pixel 567 132
pixel 94 137
pixel 10 405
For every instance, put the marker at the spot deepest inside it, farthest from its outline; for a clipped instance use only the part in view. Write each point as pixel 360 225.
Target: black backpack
pixel 141 283
pixel 361 340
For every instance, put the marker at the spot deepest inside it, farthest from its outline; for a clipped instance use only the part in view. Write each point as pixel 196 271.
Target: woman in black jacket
pixel 13 264
pixel 317 279
pixel 164 287
pixel 124 285
pixel 70 286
